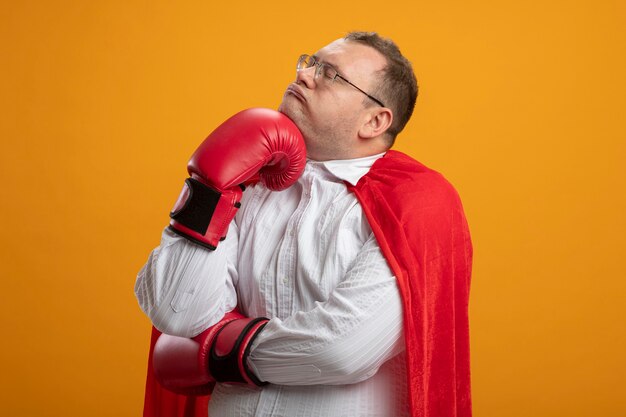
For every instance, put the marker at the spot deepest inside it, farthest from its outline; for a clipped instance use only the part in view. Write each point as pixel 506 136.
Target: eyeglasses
pixel 329 73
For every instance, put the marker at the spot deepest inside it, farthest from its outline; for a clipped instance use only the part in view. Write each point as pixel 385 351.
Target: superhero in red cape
pixel 352 283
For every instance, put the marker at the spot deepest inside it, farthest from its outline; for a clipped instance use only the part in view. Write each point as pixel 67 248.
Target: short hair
pixel 398 86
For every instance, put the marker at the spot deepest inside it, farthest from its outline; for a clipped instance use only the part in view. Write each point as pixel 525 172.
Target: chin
pixel 284 109
pixel 293 114
pixel 297 116
pixel 287 105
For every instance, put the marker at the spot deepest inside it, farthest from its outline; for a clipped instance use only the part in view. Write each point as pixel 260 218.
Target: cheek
pixel 341 106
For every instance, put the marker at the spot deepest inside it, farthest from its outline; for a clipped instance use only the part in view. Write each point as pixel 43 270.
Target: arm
pixel 184 288
pixel 342 340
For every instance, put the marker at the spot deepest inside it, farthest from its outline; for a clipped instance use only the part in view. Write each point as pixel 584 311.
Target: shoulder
pixel 399 177
pixel 404 199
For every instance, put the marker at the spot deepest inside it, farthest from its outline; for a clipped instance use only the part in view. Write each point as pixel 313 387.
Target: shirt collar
pixel 350 170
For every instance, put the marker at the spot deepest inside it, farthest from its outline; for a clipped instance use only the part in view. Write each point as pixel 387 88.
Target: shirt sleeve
pixel 185 288
pixel 343 340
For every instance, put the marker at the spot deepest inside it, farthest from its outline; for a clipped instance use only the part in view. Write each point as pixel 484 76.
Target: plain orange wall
pixel 522 107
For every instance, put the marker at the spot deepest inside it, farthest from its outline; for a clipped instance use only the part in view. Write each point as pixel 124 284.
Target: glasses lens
pixel 327 72
pixel 305 61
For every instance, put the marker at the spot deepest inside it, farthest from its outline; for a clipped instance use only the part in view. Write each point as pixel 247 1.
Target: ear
pixel 377 121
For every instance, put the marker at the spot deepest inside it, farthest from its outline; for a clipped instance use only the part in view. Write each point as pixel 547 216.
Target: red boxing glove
pixel 254 141
pixel 191 366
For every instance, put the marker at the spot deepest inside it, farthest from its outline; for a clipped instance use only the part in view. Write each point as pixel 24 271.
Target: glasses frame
pixel 304 57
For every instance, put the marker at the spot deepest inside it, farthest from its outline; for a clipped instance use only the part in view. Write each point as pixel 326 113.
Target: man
pixel 362 266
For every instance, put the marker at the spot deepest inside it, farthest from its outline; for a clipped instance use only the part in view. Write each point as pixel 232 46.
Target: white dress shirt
pixel 305 257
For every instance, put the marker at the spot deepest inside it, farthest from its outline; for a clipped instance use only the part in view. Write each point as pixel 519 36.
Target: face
pixel 330 114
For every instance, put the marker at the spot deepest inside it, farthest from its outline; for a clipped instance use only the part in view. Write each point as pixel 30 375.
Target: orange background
pixel 521 106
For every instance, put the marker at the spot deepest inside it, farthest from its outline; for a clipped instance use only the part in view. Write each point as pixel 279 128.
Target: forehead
pixel 352 58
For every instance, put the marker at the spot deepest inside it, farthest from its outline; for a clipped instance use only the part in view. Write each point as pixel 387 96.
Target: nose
pixel 306 77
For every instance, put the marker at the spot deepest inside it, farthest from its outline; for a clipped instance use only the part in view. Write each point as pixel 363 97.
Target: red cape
pixel 418 220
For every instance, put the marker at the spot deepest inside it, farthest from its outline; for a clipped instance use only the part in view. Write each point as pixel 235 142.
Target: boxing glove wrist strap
pixel 229 353
pixel 197 206
pixel 202 213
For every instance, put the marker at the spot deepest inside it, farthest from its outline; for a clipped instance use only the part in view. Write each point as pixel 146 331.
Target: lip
pixel 296 90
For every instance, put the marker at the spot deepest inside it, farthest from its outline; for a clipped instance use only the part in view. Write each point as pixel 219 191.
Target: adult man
pixel 362 266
